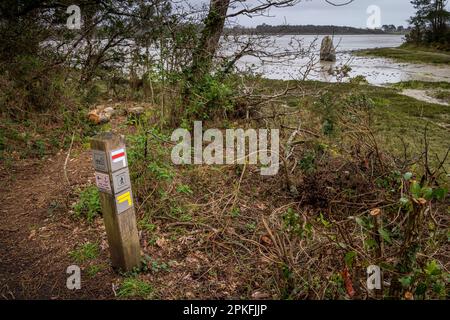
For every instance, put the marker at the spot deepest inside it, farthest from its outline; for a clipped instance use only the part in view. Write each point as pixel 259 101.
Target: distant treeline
pixel 310 29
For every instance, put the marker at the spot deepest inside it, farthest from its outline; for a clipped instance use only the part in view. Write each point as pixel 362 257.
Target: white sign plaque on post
pixel 121 180
pixel 102 182
pixel 99 160
pixel 118 159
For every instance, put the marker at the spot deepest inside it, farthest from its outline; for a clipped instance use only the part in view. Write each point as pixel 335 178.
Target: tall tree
pixel 209 41
pixel 430 21
pixel 213 25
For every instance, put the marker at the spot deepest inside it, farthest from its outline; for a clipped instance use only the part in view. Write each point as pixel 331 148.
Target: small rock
pixel 98 116
pixel 109 111
pixel 104 118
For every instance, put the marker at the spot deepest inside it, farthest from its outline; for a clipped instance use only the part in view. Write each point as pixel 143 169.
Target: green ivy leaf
pixel 432 268
pixel 370 244
pixel 385 234
pixel 421 289
pixel 325 223
pixel 440 193
pixel 427 193
pixel 405 281
pixel 415 189
pixel 349 258
pixel 359 221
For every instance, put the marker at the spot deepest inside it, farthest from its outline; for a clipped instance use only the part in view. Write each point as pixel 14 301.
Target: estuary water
pixel 377 71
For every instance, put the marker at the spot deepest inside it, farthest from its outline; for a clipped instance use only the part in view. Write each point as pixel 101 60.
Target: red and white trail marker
pixel 119 156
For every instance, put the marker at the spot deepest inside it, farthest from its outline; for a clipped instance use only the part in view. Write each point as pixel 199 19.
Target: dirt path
pixel 37 231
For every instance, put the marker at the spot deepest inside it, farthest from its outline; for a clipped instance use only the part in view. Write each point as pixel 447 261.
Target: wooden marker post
pixel 113 180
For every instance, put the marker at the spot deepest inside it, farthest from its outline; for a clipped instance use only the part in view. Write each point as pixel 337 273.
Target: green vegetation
pixel 292 222
pixel 409 53
pixel 442 95
pixel 429 24
pixel 133 287
pixel 88 205
pixel 400 118
pixel 421 85
pixel 85 252
pixel 399 121
pixel 351 122
pixel 143 224
pixel 184 189
pixel 93 270
pixel 438 90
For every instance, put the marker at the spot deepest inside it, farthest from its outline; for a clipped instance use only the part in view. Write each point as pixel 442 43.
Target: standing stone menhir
pixel 327 50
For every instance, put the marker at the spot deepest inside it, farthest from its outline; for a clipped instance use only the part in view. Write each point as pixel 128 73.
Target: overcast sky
pixel 355 14
pixel 318 12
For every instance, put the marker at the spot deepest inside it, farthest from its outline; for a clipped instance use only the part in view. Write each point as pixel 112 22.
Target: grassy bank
pixel 398 120
pixel 409 54
pixel 442 95
pixel 422 85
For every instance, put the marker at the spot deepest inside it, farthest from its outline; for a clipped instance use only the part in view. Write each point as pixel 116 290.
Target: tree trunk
pixel 206 48
pixel 209 41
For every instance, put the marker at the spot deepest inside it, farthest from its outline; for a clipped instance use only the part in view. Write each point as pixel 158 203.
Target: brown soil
pixel 37 234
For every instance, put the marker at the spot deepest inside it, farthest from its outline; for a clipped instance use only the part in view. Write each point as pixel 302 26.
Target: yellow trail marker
pixel 125 197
